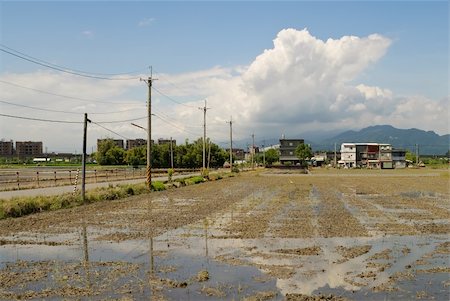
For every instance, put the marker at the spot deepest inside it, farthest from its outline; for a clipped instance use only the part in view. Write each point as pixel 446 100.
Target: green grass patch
pixel 21 206
pixel 194 180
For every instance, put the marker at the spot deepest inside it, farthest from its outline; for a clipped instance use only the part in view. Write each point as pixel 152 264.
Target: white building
pixel 348 155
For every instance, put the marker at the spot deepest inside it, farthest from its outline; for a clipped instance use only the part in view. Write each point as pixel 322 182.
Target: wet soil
pixel 257 236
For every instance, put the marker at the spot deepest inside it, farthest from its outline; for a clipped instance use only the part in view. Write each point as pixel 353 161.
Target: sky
pixel 273 68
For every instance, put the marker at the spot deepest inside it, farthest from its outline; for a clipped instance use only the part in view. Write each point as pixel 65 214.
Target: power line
pixel 172 99
pixel 122 121
pixel 39 119
pixel 80 71
pixel 65 96
pixel 109 130
pixel 35 108
pixel 176 126
pixel 173 119
pixel 56 67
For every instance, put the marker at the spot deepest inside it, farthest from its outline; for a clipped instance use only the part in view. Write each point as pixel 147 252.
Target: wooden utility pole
pixel 149 81
pixel 417 154
pixel 335 155
pixel 83 159
pixel 253 150
pixel 264 153
pixel 171 153
pixel 204 135
pixel 231 143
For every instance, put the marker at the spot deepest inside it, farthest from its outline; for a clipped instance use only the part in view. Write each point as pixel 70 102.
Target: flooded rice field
pixel 258 236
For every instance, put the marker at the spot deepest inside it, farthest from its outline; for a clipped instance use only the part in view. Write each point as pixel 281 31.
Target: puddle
pixel 139 269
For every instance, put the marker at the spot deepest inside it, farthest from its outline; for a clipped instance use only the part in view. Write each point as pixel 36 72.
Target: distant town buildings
pixel 162 141
pixel 371 155
pixel 132 143
pixel 117 142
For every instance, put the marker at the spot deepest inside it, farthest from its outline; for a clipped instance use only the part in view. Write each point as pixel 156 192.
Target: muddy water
pixel 248 249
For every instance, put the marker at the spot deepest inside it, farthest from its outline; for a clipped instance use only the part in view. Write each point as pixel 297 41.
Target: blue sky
pixel 179 38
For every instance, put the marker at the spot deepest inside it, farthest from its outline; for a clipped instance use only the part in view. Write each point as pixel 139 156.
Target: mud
pixel 258 236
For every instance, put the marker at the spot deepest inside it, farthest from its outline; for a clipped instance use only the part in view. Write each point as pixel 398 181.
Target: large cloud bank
pixel 306 84
pixel 302 84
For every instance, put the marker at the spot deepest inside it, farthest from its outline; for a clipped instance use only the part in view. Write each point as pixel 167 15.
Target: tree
pixel 272 156
pixel 109 153
pixel 303 152
pixel 136 156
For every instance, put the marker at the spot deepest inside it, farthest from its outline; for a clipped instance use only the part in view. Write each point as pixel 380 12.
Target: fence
pixel 26 179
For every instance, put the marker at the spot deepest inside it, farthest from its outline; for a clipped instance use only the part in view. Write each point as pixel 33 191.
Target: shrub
pixel 158 186
pixel 194 180
pixel 170 172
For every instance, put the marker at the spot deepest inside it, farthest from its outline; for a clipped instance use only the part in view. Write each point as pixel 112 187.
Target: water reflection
pixel 85 259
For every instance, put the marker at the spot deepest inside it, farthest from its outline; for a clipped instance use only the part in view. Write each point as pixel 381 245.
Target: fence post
pixel 95 175
pixel 55 176
pixel 37 178
pixel 106 175
pixel 70 177
pixel 76 181
pixel 18 181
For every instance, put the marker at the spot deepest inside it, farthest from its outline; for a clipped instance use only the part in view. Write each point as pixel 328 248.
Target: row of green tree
pixel 187 155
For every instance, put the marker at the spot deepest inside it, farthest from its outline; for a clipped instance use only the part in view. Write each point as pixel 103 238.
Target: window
pixel 291 144
pixel 291 153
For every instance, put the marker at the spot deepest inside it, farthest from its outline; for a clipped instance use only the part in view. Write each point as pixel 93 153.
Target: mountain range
pixel 429 142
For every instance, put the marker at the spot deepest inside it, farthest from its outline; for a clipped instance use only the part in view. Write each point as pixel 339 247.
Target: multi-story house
pixel 287 150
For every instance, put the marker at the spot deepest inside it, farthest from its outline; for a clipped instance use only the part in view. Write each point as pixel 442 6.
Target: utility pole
pixel 83 159
pixel 253 150
pixel 264 153
pixel 417 154
pixel 335 155
pixel 204 135
pixel 149 81
pixel 231 142
pixel 171 153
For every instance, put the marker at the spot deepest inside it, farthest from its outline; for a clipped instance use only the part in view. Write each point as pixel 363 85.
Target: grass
pixel 21 206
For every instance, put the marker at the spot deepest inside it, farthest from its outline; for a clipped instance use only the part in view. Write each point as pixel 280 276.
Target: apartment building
pixel 6 148
pixel 28 148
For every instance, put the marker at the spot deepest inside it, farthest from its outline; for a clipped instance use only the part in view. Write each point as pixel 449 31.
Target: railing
pixel 16 179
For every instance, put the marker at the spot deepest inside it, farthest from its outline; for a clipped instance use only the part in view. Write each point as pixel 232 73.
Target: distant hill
pixel 429 142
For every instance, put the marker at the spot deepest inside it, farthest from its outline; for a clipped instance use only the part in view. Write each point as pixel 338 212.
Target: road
pixel 47 191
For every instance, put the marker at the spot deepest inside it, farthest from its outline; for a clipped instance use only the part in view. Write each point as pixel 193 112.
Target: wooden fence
pixel 26 179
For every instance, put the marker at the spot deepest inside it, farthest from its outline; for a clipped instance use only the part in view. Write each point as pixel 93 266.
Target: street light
pixel 141 127
pixel 149 143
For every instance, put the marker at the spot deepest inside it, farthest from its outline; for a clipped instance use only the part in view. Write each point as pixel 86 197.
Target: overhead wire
pixel 173 119
pixel 172 99
pixel 69 97
pixel 122 121
pixel 176 126
pixel 109 130
pixel 57 67
pixel 39 119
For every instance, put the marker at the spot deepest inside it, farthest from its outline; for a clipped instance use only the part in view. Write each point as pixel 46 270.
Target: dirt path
pixel 254 236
